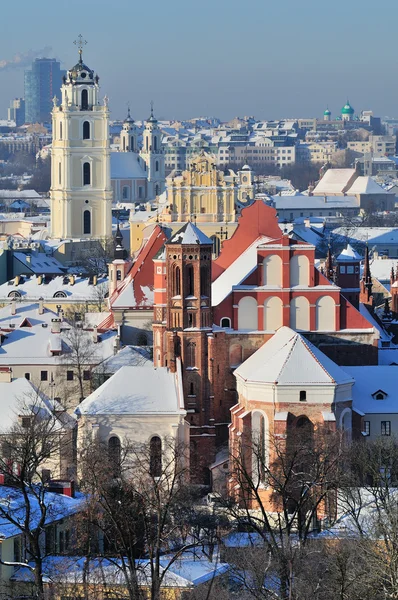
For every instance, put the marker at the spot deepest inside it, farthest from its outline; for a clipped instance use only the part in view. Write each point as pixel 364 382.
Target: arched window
pixel 300 314
pixel 299 270
pixel 86 130
pixel 157 190
pixel 146 144
pixel 325 314
pixel 216 245
pixel 204 281
pixel 86 173
pixel 86 221
pixel 125 192
pixel 155 460
pixel 124 144
pixel 157 165
pixel 191 355
pixel 190 285
pixel 132 147
pixel 60 131
pixel 272 270
pixel 59 295
pixel 84 104
pixel 115 454
pixel 118 275
pixel 155 143
pixel 177 281
pixel 59 173
pixel 247 313
pixel 225 322
pixel 259 445
pixel 273 308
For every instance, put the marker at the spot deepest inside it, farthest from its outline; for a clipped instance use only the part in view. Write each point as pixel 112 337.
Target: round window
pixel 83 75
pixel 244 179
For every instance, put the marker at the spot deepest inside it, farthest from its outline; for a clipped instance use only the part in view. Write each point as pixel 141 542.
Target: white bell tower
pixel 81 193
pixel 129 135
pixel 153 157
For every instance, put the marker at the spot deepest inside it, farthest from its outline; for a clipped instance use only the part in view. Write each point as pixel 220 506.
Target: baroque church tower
pixel 81 193
pixel 153 157
pixel 129 135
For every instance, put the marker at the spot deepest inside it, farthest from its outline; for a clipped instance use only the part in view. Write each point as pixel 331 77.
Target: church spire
pixel 329 271
pixel 366 281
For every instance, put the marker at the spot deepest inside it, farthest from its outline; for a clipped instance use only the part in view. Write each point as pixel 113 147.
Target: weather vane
pixel 80 43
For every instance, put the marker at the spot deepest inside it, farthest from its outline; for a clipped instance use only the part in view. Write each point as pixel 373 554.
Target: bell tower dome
pixel 153 156
pixel 81 193
pixel 129 135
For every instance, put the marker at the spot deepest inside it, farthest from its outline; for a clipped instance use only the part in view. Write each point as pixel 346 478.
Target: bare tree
pixel 34 445
pixel 142 495
pixel 94 259
pixel 282 493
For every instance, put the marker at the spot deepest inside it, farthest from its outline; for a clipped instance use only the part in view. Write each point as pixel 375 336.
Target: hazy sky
pixel 267 58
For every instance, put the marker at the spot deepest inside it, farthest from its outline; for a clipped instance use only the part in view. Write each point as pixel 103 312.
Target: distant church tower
pixel 81 194
pixel 129 135
pixel 153 157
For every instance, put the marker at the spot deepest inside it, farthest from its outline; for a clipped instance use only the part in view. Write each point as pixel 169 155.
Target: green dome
pixel 327 113
pixel 347 109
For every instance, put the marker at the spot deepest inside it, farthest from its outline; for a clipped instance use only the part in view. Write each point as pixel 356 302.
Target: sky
pixel 266 58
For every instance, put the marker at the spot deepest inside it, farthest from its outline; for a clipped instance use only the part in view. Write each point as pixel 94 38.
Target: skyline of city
pixel 253 59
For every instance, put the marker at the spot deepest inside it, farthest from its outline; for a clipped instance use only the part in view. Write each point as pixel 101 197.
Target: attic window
pixel 379 395
pixel 26 323
pixel 303 395
pixel 59 295
pixel 14 294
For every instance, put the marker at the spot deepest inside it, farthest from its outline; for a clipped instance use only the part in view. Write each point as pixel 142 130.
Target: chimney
pixel 72 280
pixel 307 222
pixel 55 325
pixel 28 258
pixel 95 335
pixel 41 307
pixel 116 345
pixel 13 307
pixel 95 279
pixel 17 280
pixel 5 374
pixel 39 279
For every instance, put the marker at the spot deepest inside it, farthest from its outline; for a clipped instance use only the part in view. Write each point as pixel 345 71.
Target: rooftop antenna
pixel 80 42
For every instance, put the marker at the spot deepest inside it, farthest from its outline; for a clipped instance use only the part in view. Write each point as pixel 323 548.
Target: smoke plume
pixel 23 59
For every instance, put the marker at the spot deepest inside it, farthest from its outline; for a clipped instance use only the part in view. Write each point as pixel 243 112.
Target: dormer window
pixel 379 395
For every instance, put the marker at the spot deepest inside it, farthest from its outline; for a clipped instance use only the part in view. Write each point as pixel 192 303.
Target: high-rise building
pixel 42 82
pixel 16 111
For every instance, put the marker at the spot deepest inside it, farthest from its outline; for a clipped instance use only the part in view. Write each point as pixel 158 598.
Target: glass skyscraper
pixel 42 82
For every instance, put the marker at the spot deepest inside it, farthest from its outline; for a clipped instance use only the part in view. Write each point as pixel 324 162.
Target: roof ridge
pixel 294 338
pixel 307 344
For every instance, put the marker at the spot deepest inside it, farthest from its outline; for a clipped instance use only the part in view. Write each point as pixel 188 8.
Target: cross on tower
pixel 80 43
pixel 223 233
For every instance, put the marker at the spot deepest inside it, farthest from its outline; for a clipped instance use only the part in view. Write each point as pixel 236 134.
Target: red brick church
pixel 215 314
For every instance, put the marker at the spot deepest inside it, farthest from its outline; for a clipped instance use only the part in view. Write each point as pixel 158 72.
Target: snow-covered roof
pixel 39 263
pixel 188 571
pixel 366 185
pixel 129 356
pixel 236 272
pixel 58 506
pixel 372 235
pixel 372 379
pixel 289 359
pixel 30 340
pixel 349 254
pixel 126 165
pixel 190 234
pixel 18 194
pixel 31 289
pixel 19 398
pixel 302 201
pixel 334 181
pixel 118 396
